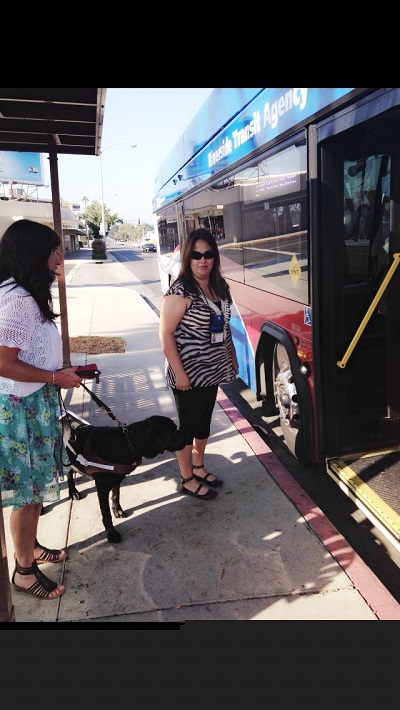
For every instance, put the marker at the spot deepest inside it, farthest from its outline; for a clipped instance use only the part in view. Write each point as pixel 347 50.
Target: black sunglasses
pixel 197 255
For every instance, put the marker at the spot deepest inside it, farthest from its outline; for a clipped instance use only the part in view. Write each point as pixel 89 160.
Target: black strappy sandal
pixel 43 585
pixel 49 555
pixel 213 484
pixel 206 496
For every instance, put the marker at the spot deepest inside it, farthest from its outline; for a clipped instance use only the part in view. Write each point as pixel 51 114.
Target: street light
pixel 103 219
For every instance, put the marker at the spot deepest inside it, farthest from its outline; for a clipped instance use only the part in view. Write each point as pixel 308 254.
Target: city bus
pixel 301 189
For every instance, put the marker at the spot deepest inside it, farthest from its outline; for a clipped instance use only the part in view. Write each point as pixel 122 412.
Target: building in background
pixel 73 228
pixel 20 178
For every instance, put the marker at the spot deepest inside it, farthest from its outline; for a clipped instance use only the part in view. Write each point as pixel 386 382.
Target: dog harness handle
pixel 81 459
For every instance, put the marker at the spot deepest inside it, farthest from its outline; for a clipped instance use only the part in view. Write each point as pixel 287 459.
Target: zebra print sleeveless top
pixel 204 364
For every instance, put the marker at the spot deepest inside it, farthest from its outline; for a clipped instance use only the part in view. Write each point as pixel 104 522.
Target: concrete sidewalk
pixel 261 550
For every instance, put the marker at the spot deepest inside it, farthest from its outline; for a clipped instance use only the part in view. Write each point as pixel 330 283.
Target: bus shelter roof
pixel 36 120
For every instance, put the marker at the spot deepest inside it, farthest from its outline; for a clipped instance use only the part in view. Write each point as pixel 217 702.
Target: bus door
pixel 357 343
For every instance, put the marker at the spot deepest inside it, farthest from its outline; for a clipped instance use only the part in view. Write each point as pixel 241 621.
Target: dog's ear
pixel 154 435
pixel 141 438
pixel 168 436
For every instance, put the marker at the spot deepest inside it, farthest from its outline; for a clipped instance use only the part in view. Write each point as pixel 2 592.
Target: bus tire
pixel 286 399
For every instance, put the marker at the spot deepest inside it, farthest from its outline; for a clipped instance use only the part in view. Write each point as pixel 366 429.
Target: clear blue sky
pixel 154 119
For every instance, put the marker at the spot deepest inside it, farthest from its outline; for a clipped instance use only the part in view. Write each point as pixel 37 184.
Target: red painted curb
pixel 365 581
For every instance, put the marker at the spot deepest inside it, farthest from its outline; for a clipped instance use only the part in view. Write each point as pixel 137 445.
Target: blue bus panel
pixel 204 150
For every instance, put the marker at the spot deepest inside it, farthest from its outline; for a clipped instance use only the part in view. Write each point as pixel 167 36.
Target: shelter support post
pixel 55 192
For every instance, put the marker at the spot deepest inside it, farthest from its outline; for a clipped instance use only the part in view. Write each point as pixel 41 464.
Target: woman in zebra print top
pixel 196 338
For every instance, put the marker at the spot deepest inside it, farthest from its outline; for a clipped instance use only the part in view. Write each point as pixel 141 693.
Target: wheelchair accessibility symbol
pixel 307 315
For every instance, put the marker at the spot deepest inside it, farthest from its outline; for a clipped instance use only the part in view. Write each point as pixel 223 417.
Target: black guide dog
pixel 108 454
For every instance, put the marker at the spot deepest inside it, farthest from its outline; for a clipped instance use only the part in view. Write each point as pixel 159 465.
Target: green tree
pixel 92 215
pixel 128 232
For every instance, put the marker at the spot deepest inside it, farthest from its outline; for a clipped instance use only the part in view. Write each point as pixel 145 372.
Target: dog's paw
pixel 118 512
pixel 113 535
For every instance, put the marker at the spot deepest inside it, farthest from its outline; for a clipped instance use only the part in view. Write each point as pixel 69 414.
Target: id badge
pixel 217 338
pixel 217 328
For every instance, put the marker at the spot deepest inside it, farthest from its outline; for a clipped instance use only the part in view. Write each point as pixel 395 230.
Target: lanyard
pixel 213 306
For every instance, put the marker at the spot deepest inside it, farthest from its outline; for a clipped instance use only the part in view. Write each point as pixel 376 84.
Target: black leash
pixel 104 406
pixel 92 371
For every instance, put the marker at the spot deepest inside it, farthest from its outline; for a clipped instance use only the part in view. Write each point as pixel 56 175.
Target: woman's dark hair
pixel 25 248
pixel 217 282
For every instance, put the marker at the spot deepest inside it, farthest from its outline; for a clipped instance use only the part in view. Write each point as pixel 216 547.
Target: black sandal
pixel 49 555
pixel 43 585
pixel 205 496
pixel 213 484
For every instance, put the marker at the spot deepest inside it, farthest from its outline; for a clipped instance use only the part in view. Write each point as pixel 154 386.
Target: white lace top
pixel 22 326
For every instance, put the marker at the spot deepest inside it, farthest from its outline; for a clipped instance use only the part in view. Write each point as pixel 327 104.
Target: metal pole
pixel 103 221
pixel 343 362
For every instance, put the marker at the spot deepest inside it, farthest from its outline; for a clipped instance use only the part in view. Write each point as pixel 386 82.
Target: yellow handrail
pixel 343 362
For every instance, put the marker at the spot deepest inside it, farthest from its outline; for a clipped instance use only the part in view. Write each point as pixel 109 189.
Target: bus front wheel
pixel 286 400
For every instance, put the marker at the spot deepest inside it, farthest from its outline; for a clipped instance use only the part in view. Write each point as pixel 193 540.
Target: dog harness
pixel 91 462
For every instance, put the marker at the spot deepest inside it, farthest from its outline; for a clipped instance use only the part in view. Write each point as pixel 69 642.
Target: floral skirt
pixel 31 446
